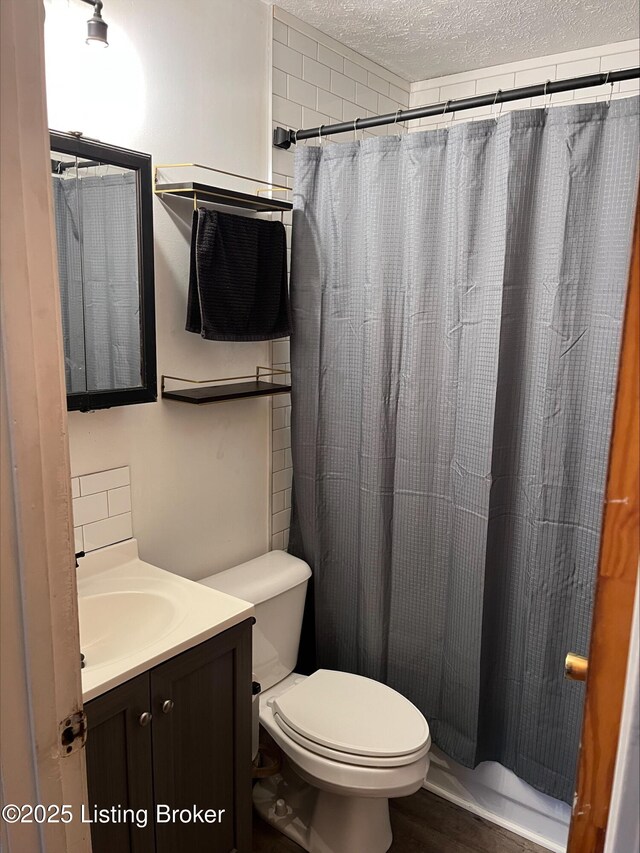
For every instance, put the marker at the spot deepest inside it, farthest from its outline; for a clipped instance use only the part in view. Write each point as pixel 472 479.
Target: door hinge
pixel 72 733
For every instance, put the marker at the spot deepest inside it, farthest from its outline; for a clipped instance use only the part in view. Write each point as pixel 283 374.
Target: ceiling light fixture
pixel 96 27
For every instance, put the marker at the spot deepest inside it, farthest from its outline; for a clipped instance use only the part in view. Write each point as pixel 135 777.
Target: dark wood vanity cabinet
pixel 119 763
pixel 193 753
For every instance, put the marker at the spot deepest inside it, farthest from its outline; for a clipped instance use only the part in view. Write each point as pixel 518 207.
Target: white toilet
pixel 350 742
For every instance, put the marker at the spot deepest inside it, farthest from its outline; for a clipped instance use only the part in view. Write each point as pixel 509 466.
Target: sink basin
pixel 113 624
pixel 134 615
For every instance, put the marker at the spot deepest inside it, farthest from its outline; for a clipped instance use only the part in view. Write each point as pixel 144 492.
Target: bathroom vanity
pixel 176 737
pixel 167 687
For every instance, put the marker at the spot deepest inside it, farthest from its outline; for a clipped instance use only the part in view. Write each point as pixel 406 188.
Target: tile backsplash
pixel 101 508
pixel 281 466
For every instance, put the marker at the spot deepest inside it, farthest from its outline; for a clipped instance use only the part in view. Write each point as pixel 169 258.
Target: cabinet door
pixel 201 702
pixel 119 774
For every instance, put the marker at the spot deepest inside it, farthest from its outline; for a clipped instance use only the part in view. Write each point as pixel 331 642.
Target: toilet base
pixel 322 822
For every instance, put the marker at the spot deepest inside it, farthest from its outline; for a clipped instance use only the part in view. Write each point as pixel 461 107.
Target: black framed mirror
pixel 102 199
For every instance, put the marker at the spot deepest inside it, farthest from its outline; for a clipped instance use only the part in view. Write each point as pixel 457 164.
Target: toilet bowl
pixel 350 743
pixel 332 800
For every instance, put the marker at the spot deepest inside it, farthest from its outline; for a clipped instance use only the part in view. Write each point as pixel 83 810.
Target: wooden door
pixel 201 703
pixel 613 609
pixel 40 667
pixel 119 771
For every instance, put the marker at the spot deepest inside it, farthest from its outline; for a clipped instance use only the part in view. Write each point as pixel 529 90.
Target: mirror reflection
pixel 98 260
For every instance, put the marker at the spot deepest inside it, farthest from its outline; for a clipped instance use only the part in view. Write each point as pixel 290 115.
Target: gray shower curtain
pixel 98 272
pixel 457 301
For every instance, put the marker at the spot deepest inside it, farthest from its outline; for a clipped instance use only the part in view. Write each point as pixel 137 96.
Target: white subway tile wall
pixel 316 80
pixel 102 481
pixel 559 66
pixel 102 508
pixel 107 532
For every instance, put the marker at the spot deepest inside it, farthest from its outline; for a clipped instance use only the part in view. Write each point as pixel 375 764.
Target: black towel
pixel 238 278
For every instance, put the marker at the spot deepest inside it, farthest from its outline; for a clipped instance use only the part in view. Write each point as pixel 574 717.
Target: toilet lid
pixel 352 714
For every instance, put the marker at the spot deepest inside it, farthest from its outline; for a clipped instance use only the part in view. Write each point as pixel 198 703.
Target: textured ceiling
pixel 419 39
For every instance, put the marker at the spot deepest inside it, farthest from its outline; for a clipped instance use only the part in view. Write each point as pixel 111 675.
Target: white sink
pixel 114 623
pixel 134 615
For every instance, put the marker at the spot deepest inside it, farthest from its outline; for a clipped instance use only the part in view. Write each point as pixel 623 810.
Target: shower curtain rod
pixel 285 138
pixel 59 166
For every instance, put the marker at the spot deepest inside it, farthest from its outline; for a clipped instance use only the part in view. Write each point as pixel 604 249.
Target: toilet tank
pixel 276 583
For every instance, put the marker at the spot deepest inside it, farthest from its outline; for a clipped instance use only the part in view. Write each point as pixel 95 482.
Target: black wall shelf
pixel 258 201
pixel 220 195
pixel 222 390
pixel 222 393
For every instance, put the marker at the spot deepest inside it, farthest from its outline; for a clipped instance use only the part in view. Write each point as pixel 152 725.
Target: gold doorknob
pixel 575 667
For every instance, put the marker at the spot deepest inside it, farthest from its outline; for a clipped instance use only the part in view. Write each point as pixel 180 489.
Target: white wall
pixel 316 80
pixel 182 87
pixel 559 66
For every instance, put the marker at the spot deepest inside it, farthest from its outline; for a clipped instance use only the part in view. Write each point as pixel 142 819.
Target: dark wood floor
pixel 422 823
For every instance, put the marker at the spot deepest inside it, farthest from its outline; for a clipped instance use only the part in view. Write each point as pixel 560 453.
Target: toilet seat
pixel 335 774
pixel 348 758
pixel 352 719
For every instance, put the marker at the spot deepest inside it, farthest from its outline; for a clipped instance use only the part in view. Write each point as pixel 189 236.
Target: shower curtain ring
pixel 611 92
pixel 355 129
pixel 320 134
pixel 498 93
pixel 395 122
pixel 446 107
pixel 544 95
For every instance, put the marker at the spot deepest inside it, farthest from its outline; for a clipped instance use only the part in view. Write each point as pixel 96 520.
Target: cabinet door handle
pixel 144 719
pixel 167 706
